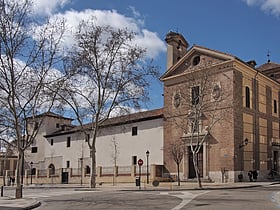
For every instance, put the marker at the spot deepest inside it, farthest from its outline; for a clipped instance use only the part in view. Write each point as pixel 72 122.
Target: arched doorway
pixel 52 169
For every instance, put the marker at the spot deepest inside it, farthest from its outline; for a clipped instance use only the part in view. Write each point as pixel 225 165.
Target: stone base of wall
pixel 237 176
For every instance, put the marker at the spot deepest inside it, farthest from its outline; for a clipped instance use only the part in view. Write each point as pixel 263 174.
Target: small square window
pixel 134 131
pixel 51 142
pixel 57 125
pixel 34 149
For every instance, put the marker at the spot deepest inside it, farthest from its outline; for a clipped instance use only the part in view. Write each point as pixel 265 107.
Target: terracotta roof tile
pixel 135 117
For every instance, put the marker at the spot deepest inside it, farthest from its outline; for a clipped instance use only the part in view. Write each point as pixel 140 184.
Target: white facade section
pixel 115 144
pixel 149 137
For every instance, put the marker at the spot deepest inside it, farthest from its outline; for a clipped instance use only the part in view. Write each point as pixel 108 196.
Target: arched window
pixel 52 169
pixel 87 170
pixel 247 97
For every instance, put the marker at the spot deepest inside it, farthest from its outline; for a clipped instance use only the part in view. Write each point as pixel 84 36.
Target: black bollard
pixel 2 191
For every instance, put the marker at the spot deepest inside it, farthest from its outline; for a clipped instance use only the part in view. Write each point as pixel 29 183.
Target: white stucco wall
pixel 149 137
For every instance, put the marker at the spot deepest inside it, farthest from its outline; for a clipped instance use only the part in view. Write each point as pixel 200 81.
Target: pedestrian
pixel 250 174
pixel 255 175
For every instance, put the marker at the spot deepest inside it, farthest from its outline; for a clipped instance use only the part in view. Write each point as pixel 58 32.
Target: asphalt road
pixel 256 198
pixel 259 198
pixel 110 200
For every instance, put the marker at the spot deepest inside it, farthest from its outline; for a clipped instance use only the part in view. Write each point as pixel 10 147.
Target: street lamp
pixel 31 164
pixel 147 154
pixel 244 143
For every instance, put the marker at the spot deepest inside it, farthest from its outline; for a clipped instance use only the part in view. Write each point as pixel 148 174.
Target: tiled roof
pixel 268 66
pixel 121 120
pixel 51 114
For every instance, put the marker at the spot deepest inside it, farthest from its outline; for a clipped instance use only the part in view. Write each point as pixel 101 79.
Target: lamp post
pixel 244 143
pixel 147 154
pixel 81 159
pixel 31 164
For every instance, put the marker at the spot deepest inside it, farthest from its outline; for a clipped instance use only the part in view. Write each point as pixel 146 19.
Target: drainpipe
pixel 255 134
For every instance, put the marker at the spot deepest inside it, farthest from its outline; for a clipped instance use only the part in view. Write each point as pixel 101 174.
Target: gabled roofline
pixel 197 48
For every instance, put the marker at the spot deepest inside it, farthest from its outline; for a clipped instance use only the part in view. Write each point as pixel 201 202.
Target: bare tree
pixel 202 101
pixel 111 77
pixel 27 55
pixel 177 152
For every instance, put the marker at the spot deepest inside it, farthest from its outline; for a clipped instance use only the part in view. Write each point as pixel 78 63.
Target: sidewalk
pixel 29 203
pixel 12 203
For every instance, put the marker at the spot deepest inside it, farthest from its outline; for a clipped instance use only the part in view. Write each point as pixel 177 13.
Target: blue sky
pixel 247 29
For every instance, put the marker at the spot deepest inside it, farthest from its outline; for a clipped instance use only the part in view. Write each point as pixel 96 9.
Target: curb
pixel 32 206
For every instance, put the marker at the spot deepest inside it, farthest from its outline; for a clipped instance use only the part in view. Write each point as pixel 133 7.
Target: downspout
pixel 255 134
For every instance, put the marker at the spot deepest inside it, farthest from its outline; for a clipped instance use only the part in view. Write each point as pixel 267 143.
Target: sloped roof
pixel 51 114
pixel 121 120
pixel 268 66
pixel 271 70
pixel 201 49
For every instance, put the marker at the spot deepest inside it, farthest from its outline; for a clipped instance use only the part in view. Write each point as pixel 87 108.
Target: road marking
pixel 185 196
pixel 276 198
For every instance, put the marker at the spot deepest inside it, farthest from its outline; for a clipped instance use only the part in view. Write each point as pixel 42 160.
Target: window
pixel 67 164
pixel 34 149
pixel 87 137
pixel 134 160
pixel 134 131
pixel 57 125
pixel 195 95
pixel 196 60
pixel 275 106
pixel 51 142
pixel 33 171
pixel 87 170
pixel 247 97
pixel 68 142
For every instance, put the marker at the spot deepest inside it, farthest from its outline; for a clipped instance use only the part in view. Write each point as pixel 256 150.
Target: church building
pixel 228 105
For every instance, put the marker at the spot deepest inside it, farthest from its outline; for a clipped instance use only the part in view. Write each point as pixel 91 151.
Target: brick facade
pixel 243 138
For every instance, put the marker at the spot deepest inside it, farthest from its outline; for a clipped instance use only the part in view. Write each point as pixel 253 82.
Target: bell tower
pixel 176 47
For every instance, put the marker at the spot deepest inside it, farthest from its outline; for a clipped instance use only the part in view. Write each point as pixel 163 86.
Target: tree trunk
pixel 178 174
pixel 19 175
pixel 93 168
pixel 197 172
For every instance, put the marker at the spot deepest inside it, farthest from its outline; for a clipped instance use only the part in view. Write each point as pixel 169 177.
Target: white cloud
pixel 144 37
pixel 269 6
pixel 151 42
pixel 48 7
